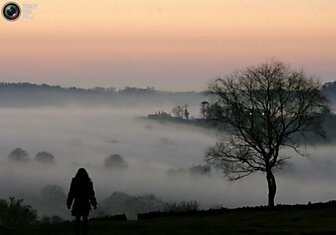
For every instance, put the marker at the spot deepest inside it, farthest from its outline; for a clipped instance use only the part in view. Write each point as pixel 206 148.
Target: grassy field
pixel 241 221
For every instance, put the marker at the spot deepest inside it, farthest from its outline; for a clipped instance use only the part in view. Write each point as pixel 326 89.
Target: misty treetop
pixel 20 155
pixel 14 212
pixel 266 108
pixel 115 161
pixel 53 194
pixel 45 157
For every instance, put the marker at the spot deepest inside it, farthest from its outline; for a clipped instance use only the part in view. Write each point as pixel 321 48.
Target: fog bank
pixel 85 137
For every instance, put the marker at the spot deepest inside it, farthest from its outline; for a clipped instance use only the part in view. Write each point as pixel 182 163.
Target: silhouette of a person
pixel 82 194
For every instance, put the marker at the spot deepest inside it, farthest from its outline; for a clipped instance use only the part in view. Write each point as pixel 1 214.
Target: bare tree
pixel 204 109
pixel 267 108
pixel 178 111
pixel 186 112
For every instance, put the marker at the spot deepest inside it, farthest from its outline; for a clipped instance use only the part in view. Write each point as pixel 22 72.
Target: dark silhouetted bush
pixel 14 213
pixel 184 206
pixel 122 203
pixel 121 217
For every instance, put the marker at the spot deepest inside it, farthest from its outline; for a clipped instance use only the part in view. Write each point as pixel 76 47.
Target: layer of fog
pixel 85 137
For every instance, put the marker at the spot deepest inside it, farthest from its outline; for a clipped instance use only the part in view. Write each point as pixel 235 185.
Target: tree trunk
pixel 271 188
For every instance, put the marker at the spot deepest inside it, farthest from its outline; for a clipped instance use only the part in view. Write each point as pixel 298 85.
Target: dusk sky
pixel 168 44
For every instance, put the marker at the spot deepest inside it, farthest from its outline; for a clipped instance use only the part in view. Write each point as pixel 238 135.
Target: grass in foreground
pixel 287 220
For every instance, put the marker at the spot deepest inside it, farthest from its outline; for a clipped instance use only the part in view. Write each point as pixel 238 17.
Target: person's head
pixel 82 174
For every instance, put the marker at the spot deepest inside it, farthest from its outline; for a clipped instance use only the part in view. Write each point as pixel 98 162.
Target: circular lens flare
pixel 11 11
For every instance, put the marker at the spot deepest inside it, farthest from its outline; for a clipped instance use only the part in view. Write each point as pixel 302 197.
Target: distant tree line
pixel 31 95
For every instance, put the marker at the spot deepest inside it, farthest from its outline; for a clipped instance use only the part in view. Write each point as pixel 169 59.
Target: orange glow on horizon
pixel 213 33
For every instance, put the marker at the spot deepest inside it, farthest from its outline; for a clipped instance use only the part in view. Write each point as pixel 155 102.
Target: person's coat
pixel 83 195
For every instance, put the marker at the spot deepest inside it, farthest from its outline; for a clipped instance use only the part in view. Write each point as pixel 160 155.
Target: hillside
pixel 310 219
pixel 30 95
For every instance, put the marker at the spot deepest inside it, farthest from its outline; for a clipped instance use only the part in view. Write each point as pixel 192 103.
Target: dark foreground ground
pixel 283 220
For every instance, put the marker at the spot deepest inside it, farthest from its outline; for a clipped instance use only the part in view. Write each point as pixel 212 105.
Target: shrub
pixel 14 213
pixel 184 206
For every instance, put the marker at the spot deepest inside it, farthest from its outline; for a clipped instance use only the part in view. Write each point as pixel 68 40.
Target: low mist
pixel 155 158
